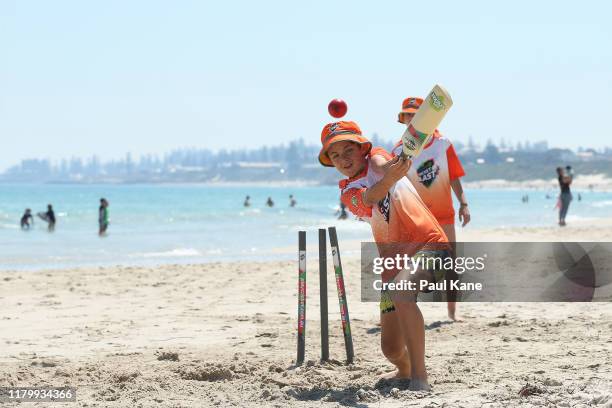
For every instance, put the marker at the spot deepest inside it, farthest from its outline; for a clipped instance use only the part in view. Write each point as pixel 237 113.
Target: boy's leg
pixel 451 295
pixel 392 341
pixel 412 327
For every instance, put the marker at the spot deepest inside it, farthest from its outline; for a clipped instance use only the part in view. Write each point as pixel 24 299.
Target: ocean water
pixel 153 224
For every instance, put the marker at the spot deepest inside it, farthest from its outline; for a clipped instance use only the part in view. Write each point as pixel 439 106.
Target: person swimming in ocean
pixel 103 219
pixel 27 221
pixel 342 214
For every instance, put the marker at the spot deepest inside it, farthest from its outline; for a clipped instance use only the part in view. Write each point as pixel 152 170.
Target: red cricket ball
pixel 337 108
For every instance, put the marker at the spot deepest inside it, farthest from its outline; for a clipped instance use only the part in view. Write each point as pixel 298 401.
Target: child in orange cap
pixel 434 172
pixel 377 190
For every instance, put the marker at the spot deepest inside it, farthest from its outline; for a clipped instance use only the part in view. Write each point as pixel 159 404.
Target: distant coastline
pixel 595 182
pixel 295 163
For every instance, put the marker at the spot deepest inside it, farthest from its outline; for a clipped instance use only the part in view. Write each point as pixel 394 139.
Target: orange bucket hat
pixel 338 132
pixel 410 105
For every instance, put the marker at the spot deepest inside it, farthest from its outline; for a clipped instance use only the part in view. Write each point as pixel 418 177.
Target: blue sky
pixel 83 78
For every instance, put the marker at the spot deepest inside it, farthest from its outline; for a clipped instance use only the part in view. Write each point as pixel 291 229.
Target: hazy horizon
pixel 522 147
pixel 83 79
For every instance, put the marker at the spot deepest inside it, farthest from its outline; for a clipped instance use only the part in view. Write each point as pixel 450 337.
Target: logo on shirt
pixel 427 172
pixel 383 207
pixel 354 201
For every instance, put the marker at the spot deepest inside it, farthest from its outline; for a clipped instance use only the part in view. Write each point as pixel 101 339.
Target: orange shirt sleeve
pixel 455 169
pixel 380 151
pixel 353 199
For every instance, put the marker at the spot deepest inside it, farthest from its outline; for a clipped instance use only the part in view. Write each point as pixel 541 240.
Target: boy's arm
pixel 464 212
pixel 396 168
pixel 455 171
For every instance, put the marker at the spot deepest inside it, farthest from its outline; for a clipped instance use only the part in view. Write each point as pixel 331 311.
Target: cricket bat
pixel 422 126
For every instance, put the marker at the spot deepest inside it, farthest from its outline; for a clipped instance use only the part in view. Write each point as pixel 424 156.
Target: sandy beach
pixel 223 334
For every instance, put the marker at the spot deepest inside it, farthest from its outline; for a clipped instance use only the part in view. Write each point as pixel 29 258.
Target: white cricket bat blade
pixel 421 128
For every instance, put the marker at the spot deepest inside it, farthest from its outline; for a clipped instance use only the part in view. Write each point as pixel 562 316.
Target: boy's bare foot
pixel 453 317
pixel 419 385
pixel 395 375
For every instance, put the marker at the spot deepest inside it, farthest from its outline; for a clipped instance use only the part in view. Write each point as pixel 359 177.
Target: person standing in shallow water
pixel 103 219
pixel 270 203
pixel 292 201
pixel 27 220
pixel 247 201
pixel 565 197
pixel 48 217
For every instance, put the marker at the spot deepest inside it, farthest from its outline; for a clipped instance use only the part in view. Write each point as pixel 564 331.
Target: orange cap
pixel 338 132
pixel 410 105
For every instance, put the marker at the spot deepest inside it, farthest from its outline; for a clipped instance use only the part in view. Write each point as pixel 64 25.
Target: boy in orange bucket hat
pixel 376 189
pixel 434 172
